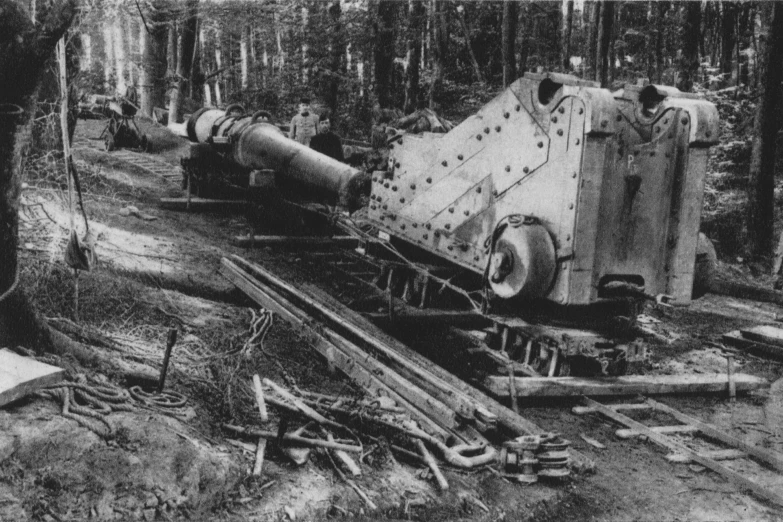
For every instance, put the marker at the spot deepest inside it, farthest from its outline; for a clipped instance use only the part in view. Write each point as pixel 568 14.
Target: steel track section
pixel 692 440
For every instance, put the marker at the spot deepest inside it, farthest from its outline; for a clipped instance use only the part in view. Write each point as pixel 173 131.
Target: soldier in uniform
pixel 305 124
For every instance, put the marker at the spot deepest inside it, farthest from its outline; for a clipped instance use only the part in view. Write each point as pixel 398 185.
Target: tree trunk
pixel 440 36
pixel 689 43
pixel 604 42
pixel 304 34
pixel 187 41
pixel 384 40
pixel 153 68
pixel 23 53
pixel 594 39
pixel 108 69
pixel 244 58
pixel 337 52
pixel 120 56
pixel 416 15
pixel 468 44
pixel 568 23
pixel 524 46
pixel 510 17
pixel 728 39
pixel 761 187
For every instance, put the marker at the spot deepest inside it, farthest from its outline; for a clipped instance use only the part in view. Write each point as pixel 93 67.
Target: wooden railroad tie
pixel 682 453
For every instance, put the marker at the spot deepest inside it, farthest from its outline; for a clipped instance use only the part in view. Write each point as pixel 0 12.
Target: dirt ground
pixel 162 273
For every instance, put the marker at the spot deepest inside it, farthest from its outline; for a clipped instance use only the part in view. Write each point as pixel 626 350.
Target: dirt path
pixel 161 273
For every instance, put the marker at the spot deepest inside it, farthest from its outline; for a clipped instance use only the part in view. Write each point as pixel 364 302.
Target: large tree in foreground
pixel 24 48
pixel 761 186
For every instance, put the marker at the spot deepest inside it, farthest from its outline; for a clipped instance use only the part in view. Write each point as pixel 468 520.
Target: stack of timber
pixel 445 407
pixel 766 341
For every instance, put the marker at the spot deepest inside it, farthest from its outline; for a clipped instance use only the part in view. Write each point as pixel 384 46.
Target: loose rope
pixel 98 401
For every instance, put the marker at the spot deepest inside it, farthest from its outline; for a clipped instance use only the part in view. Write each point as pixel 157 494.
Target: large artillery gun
pixel 555 210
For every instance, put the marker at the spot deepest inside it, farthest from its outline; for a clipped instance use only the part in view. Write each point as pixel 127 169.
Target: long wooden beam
pixel 202 204
pixel 414 367
pixel 624 385
pixel 295 241
pixel 375 378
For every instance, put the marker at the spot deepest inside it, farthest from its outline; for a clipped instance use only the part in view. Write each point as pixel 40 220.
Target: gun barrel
pixel 260 145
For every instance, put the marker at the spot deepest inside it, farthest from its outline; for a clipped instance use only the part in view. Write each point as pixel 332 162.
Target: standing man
pixel 305 124
pixel 327 142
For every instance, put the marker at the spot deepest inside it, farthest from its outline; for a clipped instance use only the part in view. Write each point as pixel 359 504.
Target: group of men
pixel 314 131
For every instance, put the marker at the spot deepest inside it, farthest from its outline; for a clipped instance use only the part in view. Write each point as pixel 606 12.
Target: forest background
pixel 358 59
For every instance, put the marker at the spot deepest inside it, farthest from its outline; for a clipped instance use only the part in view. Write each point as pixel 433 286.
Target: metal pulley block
pixel 553 457
pixel 517 458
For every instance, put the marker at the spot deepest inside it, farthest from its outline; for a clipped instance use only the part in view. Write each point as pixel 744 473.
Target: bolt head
pixel 478 137
pixel 413 186
pixel 517 108
pixel 604 123
pixel 554 119
pixel 429 180
pixel 397 165
pixel 506 115
pixel 459 157
pixel 540 144
pixel 478 190
pixel 394 188
pixel 402 200
pixel 445 163
pixel 451 210
pixel 561 110
pixel 486 130
pixel 559 132
pixel 426 236
pixel 508 168
pixel 526 169
pixel 497 128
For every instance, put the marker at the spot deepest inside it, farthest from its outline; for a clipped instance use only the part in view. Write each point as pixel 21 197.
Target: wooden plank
pixel 678 448
pixel 745 291
pixel 21 376
pixel 722 454
pixel 430 377
pixel 581 410
pixel 772 458
pixel 295 241
pixel 626 433
pixel 373 379
pixel 410 315
pixel 624 385
pixel 737 340
pixel 202 204
pixel 764 334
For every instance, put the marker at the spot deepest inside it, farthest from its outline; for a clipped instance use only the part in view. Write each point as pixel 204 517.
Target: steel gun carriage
pixel 559 203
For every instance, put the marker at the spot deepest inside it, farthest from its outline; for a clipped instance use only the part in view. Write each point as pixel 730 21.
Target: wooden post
pixel 430 460
pixel 729 376
pixel 259 392
pixel 172 339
